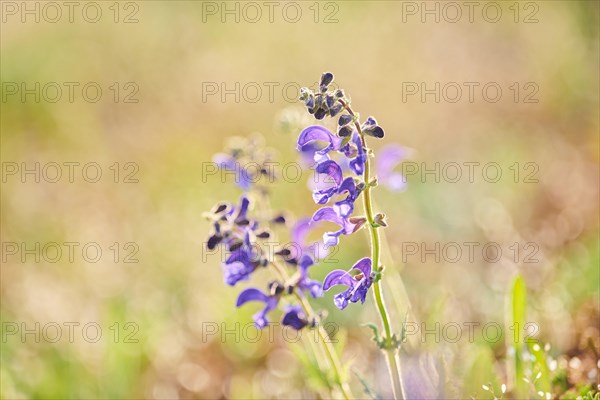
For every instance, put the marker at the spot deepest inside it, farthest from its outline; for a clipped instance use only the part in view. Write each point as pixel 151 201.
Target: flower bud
pixel 333 111
pixel 345 119
pixel 344 131
pixel 326 79
pixel 379 219
pixel 320 113
pixel 375 131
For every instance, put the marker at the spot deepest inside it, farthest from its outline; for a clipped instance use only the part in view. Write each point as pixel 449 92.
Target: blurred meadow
pixel 141 307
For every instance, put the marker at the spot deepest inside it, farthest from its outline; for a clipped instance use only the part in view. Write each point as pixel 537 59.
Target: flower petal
pixel 327 214
pixel 331 169
pixel 338 277
pixel 251 294
pixel 294 317
pixel 364 266
pixel 317 132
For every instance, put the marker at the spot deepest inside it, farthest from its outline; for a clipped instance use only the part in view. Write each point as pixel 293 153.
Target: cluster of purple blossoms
pixel 239 233
pixel 349 145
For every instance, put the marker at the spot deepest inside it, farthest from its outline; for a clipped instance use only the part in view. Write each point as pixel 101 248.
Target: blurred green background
pixel 156 63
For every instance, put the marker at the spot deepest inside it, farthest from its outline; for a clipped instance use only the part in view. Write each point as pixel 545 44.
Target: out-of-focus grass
pixel 175 290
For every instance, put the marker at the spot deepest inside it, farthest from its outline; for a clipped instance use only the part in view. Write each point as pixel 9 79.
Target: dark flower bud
pixel 329 100
pixel 263 235
pixel 283 253
pixel 291 261
pixel 310 101
pixel 275 288
pixel 235 245
pixel 369 123
pixel 335 110
pixel 219 208
pixel 280 219
pixel 311 110
pixel 339 93
pixel 290 289
pixel 242 222
pixel 379 219
pixel 304 93
pixel 318 101
pixel 359 221
pixel 320 113
pixel 375 131
pixel 361 186
pixel 326 79
pixel 344 131
pixel 213 241
pixel 345 119
pixel 264 262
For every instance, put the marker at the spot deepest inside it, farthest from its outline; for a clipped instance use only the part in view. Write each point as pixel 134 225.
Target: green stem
pixel 328 348
pixel 389 350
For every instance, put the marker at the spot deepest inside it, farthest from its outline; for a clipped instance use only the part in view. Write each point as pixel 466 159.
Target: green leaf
pixel 517 302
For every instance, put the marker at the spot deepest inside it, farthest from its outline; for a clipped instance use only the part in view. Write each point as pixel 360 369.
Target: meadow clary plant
pixel 342 162
pixel 350 143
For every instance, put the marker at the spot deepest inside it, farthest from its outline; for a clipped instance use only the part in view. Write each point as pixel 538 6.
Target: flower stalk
pixel 389 347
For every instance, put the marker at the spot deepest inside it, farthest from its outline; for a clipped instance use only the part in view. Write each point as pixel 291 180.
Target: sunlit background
pixel 178 79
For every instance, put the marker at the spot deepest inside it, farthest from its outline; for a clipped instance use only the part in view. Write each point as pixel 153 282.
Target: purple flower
pixel 260 318
pixel 230 163
pixel 344 208
pixel 334 173
pixel 239 265
pixel 329 214
pixel 357 163
pixel 387 159
pixel 321 134
pixel 294 317
pixel 299 234
pixel 306 284
pixel 358 285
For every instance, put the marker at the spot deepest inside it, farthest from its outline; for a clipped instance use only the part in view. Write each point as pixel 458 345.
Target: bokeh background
pixel 158 64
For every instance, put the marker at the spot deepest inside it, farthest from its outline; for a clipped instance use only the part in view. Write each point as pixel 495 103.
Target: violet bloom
pixel 344 208
pixel 299 235
pixel 322 195
pixel 358 285
pixel 260 318
pixel 318 133
pixel 306 284
pixel 334 173
pixel 294 317
pixel 234 229
pixel 347 227
pixel 387 159
pixel 356 154
pixel 230 163
pixel 239 265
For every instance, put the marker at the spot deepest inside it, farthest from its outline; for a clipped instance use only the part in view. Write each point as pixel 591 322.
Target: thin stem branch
pixel 328 348
pixel 391 353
